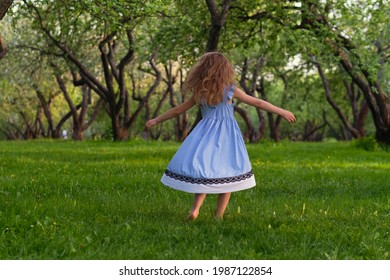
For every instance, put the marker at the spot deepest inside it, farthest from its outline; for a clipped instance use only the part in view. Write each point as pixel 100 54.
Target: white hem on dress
pixel 209 188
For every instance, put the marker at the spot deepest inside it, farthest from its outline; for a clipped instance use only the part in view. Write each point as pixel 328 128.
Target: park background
pixel 99 69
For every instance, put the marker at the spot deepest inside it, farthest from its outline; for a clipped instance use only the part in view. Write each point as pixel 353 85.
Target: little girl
pixel 213 158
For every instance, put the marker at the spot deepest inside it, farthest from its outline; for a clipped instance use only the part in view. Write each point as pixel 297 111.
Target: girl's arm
pixel 171 113
pixel 263 105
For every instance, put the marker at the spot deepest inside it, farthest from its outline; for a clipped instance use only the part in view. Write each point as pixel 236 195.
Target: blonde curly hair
pixel 209 77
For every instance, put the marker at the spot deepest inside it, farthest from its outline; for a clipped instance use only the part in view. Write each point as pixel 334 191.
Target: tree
pixel 360 50
pixel 20 117
pixel 218 19
pixel 134 56
pixel 4 6
pixel 115 35
pixel 250 86
pixel 79 112
pixel 217 22
pixel 37 102
pixel 356 128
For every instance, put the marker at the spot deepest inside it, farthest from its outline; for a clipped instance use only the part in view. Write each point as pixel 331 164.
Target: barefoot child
pixel 213 158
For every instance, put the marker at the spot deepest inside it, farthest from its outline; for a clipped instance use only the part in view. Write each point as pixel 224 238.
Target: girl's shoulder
pixel 230 91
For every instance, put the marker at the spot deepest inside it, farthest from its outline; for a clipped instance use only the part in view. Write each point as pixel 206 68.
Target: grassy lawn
pixel 102 200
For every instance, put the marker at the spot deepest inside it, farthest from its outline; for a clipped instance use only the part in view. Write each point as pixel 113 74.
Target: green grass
pixel 101 200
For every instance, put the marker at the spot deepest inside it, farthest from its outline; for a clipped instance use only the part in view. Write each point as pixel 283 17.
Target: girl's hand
pixel 288 116
pixel 151 123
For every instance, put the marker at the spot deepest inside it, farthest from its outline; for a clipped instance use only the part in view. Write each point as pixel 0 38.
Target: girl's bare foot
pixel 192 216
pixel 223 200
pixel 198 201
pixel 218 217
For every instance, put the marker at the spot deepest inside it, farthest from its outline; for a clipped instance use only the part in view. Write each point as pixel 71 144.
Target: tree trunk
pixel 377 102
pixel 218 20
pixel 354 132
pixel 310 131
pixel 251 132
pixel 250 89
pixel 3 49
pixel 359 113
pixel 181 124
pixel 273 124
pixel 77 126
pixel 142 101
pixel 151 133
pixel 78 118
pixel 47 111
pixel 383 136
pixel 4 6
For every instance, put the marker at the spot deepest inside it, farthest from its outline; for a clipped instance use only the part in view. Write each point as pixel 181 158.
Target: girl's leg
pixel 198 201
pixel 223 200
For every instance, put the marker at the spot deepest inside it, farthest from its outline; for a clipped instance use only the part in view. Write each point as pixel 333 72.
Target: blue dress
pixel 213 158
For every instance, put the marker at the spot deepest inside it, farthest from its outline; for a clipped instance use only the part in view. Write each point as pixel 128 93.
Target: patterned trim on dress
pixel 207 181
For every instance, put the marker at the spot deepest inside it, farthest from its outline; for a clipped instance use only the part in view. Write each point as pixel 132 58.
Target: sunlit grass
pixel 102 200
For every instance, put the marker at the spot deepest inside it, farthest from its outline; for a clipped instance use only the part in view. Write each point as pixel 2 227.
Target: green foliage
pixel 367 143
pixel 286 33
pixel 103 200
pixel 180 31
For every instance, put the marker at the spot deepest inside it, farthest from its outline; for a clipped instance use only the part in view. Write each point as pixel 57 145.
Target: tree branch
pixel 149 93
pixel 331 101
pixel 90 79
pixel 4 6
